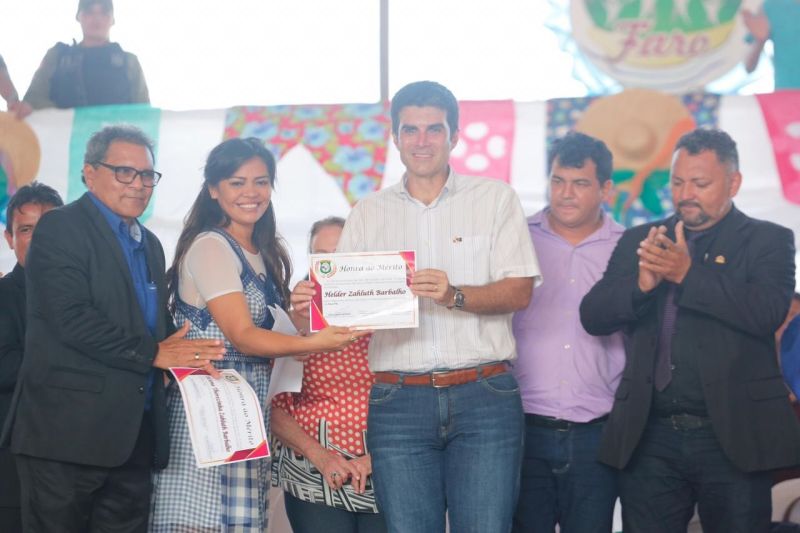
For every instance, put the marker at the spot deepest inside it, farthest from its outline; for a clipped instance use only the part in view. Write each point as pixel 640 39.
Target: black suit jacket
pixel 730 304
pixel 12 334
pixel 12 337
pixel 81 391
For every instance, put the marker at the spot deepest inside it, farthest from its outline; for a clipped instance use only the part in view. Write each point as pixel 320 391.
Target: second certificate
pixel 365 290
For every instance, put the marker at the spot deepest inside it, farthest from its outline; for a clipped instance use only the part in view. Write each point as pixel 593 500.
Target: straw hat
pixel 635 124
pixel 20 146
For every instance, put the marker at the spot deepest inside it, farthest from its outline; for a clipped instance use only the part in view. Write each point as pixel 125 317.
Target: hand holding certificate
pixel 363 290
pixel 226 423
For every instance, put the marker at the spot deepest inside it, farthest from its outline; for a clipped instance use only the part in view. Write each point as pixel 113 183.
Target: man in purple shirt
pixel 567 377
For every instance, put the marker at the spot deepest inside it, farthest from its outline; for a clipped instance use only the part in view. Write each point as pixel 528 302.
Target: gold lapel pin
pixel 720 260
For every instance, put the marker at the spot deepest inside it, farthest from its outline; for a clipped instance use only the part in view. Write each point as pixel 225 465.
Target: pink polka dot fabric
pixel 335 387
pixel 486 140
pixel 782 117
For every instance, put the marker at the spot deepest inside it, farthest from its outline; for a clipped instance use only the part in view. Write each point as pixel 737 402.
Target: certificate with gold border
pixel 368 290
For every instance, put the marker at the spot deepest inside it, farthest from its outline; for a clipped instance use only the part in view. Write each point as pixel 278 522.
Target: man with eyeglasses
pixel 88 418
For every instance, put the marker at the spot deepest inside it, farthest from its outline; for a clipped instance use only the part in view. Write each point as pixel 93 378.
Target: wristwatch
pixel 458 299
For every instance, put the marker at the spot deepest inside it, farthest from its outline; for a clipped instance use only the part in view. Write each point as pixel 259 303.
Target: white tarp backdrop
pixel 305 192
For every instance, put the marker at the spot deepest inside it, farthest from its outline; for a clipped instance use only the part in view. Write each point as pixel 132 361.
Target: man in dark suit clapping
pixel 88 419
pixel 701 413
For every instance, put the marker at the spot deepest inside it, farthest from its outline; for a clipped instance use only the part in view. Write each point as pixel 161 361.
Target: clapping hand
pixel 660 258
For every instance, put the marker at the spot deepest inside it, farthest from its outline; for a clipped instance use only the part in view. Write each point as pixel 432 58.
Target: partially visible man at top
pixel 779 21
pixel 568 377
pixel 92 72
pixel 88 417
pixel 701 414
pixel 445 422
pixel 10 95
pixel 23 212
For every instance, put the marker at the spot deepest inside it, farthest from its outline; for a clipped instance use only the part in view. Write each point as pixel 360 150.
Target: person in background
pixel 794 310
pixel 23 212
pixel 230 264
pixel 92 72
pixel 701 415
pixel 9 93
pixel 88 419
pixel 567 377
pixel 778 20
pixel 321 461
pixel 788 339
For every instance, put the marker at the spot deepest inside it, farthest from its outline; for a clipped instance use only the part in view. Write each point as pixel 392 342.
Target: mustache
pixel 688 203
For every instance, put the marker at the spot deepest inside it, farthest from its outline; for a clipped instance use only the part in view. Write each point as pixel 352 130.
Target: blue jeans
pixel 456 450
pixel 674 469
pixel 563 483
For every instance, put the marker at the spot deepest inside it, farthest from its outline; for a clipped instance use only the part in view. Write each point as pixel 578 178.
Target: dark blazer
pixel 81 391
pixel 730 304
pixel 12 334
pixel 12 338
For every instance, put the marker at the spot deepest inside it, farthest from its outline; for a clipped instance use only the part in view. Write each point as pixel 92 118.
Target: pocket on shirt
pixel 74 379
pixel 470 257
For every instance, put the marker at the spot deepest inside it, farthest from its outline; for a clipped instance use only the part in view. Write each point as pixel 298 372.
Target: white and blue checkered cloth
pixel 228 498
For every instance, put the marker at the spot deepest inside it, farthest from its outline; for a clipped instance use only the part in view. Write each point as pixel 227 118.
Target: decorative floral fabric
pixel 349 140
pixel 7 188
pixel 486 139
pixel 782 115
pixel 654 200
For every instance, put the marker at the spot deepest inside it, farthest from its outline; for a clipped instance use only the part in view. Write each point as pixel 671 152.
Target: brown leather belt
pixel 446 378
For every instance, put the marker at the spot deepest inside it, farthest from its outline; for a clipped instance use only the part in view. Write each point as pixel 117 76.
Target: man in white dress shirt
pixel 445 417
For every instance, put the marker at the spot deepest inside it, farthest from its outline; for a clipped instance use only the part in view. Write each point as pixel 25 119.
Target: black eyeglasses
pixel 126 175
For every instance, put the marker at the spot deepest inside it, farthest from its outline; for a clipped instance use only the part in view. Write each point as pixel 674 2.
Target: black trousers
pixel 10 517
pixel 675 469
pixel 306 517
pixel 63 497
pixel 10 520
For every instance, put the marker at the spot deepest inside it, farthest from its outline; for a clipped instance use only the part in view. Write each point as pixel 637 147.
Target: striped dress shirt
pixel 476 232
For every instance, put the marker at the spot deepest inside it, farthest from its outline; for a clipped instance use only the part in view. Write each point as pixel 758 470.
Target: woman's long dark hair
pixel 222 163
